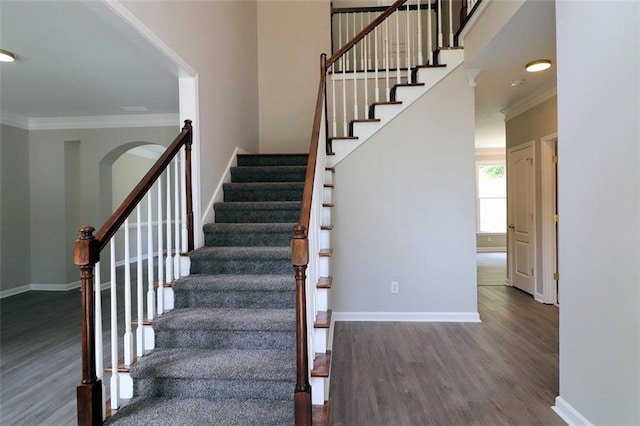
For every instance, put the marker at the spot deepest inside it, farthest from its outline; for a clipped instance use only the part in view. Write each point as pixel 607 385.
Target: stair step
pixel 216 374
pixel 272 159
pixel 248 234
pixel 328 205
pixel 394 89
pixel 321 365
pixel 414 71
pixel 324 282
pixel 372 107
pixel 241 260
pixel 325 253
pixel 263 191
pixel 323 319
pixel 193 411
pixel 327 227
pixel 268 174
pixel 257 212
pixel 364 120
pixel 208 328
pixel 320 414
pixel 235 291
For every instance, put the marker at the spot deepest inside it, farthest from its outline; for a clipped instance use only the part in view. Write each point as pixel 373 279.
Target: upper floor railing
pixel 159 209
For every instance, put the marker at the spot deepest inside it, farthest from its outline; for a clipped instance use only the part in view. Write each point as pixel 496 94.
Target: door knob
pixel 512 227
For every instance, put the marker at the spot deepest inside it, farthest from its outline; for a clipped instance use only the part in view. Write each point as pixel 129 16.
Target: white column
pixel 139 285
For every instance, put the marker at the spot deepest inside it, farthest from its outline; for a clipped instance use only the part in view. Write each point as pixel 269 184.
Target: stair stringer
pixel 407 95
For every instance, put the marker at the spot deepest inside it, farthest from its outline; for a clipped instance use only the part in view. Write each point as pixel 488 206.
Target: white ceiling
pixel 529 35
pixel 79 59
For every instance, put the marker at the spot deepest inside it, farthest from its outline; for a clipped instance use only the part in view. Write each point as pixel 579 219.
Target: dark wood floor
pixel 503 371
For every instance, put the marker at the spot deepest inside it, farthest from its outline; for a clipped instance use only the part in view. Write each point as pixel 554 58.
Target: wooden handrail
pixel 86 253
pixel 115 221
pixel 366 30
pixel 465 17
pixel 364 9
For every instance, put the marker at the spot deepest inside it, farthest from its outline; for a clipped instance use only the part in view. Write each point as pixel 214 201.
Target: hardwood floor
pixel 503 371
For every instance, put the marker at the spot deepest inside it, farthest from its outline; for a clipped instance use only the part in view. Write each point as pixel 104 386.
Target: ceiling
pixel 529 35
pixel 78 59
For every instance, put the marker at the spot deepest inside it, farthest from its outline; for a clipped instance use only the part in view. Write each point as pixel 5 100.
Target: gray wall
pixel 70 185
pixel 291 37
pixel 406 210
pixel 532 125
pixel 15 230
pixel 599 207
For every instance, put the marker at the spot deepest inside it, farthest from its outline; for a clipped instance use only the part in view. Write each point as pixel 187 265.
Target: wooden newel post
pixel 86 253
pixel 188 189
pixel 300 260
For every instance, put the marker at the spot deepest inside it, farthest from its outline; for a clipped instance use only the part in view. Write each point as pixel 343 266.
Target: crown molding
pixel 14 120
pixel 90 122
pixel 547 91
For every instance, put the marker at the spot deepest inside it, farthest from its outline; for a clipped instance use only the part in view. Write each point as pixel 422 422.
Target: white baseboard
pixel 209 214
pixel 569 414
pixel 408 316
pixel 14 291
pixel 55 287
pixel 491 249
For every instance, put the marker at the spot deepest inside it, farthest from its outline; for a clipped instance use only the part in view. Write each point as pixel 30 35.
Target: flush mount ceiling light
pixel 6 56
pixel 539 65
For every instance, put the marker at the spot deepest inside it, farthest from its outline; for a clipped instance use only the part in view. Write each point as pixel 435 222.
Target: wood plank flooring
pixel 503 371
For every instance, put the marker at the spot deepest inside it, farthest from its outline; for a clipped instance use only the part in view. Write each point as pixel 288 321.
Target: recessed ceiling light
pixel 539 65
pixel 6 56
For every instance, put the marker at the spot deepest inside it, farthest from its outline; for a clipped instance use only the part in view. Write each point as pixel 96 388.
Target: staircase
pixel 225 355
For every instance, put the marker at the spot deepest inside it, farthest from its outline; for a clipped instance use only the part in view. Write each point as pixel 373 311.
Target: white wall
pixel 599 193
pixel 218 39
pixel 291 37
pixel 405 211
pixel 15 241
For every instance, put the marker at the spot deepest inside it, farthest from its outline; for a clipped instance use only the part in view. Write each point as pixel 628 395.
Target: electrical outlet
pixel 395 287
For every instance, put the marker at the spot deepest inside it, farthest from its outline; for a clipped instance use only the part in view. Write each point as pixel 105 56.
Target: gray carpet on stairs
pixel 225 355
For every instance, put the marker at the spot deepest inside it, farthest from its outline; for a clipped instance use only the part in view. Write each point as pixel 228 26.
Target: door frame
pixel 510 238
pixel 549 243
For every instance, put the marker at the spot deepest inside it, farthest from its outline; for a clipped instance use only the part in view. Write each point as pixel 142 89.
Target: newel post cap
pixel 86 250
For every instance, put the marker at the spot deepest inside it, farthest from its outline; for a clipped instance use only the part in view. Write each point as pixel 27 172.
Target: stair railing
pixel 166 195
pixel 387 44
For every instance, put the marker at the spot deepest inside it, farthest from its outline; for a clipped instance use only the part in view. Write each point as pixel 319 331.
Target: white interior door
pixel 520 175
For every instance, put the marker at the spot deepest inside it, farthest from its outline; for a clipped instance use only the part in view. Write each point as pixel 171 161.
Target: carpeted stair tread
pixel 248 234
pixel 272 159
pixel 257 212
pixel 241 260
pixel 248 253
pixel 219 364
pixel 208 320
pixel 268 174
pixel 263 191
pixel 192 411
pixel 235 282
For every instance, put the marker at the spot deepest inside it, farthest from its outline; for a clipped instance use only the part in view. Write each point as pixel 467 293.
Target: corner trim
pixel 569 414
pixel 104 121
pixel 408 316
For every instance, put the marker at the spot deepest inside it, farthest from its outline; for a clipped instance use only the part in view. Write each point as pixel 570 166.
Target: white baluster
pixel 365 52
pixel 430 34
pixel 115 382
pixel 376 65
pixel 346 55
pixel 97 289
pixel 151 295
pixel 160 289
pixel 369 45
pixel 386 56
pixel 128 334
pixel 183 201
pixel 362 58
pixel 355 81
pixel 168 259
pixel 334 127
pixel 344 98
pixel 420 55
pixel 176 223
pixel 450 23
pixel 139 285
pixel 340 60
pixel 408 31
pixel 440 43
pixel 397 47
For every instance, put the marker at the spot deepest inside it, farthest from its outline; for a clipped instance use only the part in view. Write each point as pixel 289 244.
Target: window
pixel 491 197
